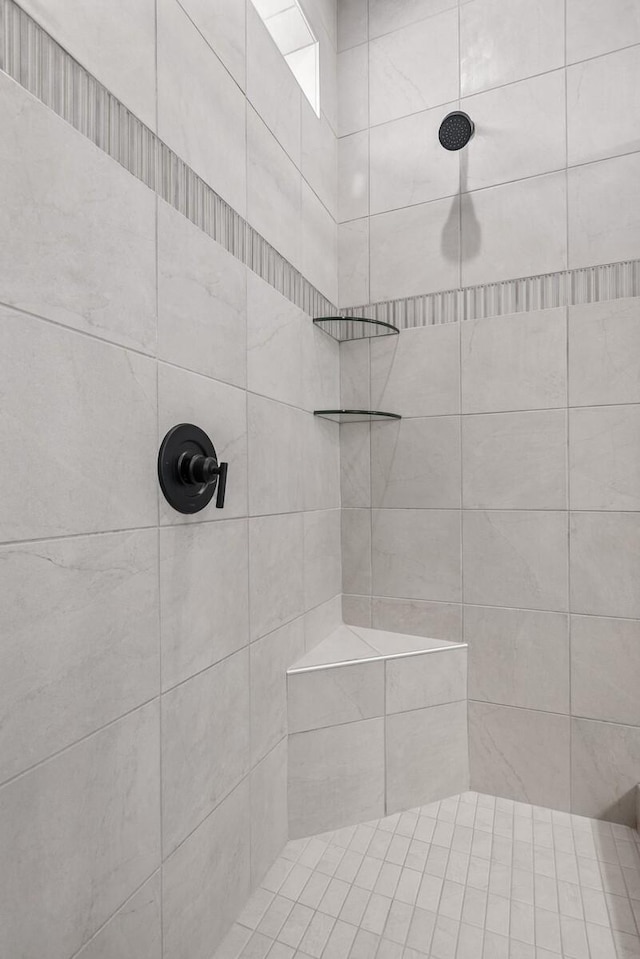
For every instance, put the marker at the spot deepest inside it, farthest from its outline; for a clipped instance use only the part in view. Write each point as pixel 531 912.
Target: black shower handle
pixel 222 485
pixel 195 469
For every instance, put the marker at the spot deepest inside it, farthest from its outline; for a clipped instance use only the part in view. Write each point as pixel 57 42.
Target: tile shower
pixel 450 600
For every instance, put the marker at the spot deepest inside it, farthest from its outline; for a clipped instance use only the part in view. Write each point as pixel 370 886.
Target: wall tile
pixel 355 465
pixel 605 564
pixel 321 621
pixel 272 89
pixel 271 656
pixel 604 457
pixel 276 571
pixel 604 221
pixel 496 49
pixel 320 367
pixel 416 553
pixel 207 880
pixel 329 697
pixel 80 392
pixel 603 104
pixel 322 556
pixel 274 343
pixel 80 640
pixel 221 411
pixel 520 754
pixel 276 438
pixel 319 237
pixel 355 385
pixel 319 157
pixel 201 566
pixel 205 745
pixel 202 301
pixel 598 26
pixel 336 776
pixel 116 42
pixel 353 87
pixel 201 111
pixel 134 932
pixel 223 25
pixel 408 165
pixel 353 176
pixel 415 250
pixel 430 679
pixel 514 362
pixel 353 263
pixel 384 17
pixel 356 551
pixel 68 828
pixel 269 818
pixel 321 463
pixel 518 657
pixel 414 68
pixel 416 463
pixel 604 770
pixel 356 610
pixel 515 460
pixel 427 755
pixel 417 618
pixel 84 254
pixel 273 190
pixel 516 558
pixel 352 23
pixel 604 353
pixel 605 669
pixel 520 131
pixel 418 372
pixel 517 229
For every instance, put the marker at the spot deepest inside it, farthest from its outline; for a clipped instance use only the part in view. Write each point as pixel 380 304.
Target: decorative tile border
pixel 34 60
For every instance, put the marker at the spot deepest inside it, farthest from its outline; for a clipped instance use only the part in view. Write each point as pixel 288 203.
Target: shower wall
pixel 143 653
pixel 503 508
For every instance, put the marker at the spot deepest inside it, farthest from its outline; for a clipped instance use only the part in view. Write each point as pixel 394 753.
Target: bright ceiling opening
pixel 287 24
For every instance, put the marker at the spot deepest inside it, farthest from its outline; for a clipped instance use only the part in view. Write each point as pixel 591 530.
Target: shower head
pixel 456 130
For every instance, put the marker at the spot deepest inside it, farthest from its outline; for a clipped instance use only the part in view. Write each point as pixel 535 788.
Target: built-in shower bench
pixel 377 724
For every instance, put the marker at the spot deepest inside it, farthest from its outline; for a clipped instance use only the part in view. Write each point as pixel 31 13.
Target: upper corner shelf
pixel 356 416
pixel 354 327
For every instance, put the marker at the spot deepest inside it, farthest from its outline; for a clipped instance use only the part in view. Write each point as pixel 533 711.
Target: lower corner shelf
pixel 356 416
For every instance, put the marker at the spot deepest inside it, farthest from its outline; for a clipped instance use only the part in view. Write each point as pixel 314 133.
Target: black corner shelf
pixel 356 416
pixel 343 328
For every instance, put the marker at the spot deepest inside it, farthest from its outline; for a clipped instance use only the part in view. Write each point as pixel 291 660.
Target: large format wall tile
pixel 201 111
pixel 496 48
pixel 221 411
pixel 202 301
pixel 355 465
pixel 416 463
pixel 603 106
pixel 604 220
pixel 598 26
pixel 135 931
pixel 84 253
pixel 276 571
pixel 223 25
pixel 514 362
pixel 269 813
pixel 604 458
pixel 318 257
pixel 515 460
pixel 520 753
pixel 271 656
pixel 274 343
pixel 207 880
pixel 604 770
pixel 68 829
pixel 353 176
pixel 604 353
pixel 416 554
pixel 276 437
pixel 418 372
pixel 516 229
pixel 80 643
pixel 340 694
pixel 414 68
pixel 427 755
pixel 336 776
pixel 353 84
pixel 428 679
pixel 605 563
pixel 356 551
pixel 417 618
pixel 205 745
pixel 605 669
pixel 201 567
pixel 516 558
pixel 319 157
pixel 321 463
pixel 352 23
pixel 73 406
pixel 384 17
pixel 353 263
pixel 115 41
pixel 518 657
pixel 322 556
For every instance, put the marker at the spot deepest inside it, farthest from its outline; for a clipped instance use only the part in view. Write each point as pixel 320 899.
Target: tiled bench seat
pixel 377 724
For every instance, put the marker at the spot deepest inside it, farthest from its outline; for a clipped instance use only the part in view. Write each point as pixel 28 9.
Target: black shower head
pixel 455 130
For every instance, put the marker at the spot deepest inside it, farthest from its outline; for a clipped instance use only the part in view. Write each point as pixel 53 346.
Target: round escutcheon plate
pixel 190 439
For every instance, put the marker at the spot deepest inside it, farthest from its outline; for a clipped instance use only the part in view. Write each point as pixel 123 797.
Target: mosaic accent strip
pixel 34 60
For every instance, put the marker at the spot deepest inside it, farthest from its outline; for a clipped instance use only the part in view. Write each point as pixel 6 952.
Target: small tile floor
pixel 470 877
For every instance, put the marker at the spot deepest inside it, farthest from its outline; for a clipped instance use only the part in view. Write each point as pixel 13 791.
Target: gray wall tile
pixel 605 564
pixel 135 931
pixel 605 669
pixel 430 679
pixel 271 656
pixel 341 694
pixel 604 770
pixel 415 463
pixel 604 458
pixel 604 353
pixel 276 567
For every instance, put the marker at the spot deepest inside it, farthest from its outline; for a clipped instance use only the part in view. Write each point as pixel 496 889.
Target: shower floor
pixel 470 877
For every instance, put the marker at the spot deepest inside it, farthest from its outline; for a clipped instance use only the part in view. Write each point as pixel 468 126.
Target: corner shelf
pixel 343 328
pixel 356 416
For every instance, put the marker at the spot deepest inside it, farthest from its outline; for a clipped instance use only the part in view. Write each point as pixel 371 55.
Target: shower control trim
pixel 189 471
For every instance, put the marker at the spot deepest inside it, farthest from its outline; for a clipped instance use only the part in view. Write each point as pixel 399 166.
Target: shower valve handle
pixel 195 469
